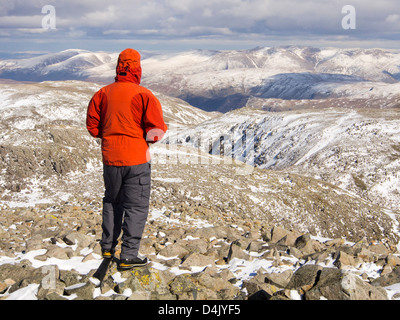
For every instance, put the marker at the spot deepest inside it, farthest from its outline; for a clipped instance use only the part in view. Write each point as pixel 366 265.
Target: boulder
pixel 335 284
pixel 197 260
pixel 237 251
pixel 388 279
pixel 75 237
pixel 280 279
pixel 304 278
pixel 357 289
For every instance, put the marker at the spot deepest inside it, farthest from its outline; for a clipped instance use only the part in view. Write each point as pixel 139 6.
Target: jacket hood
pixel 128 67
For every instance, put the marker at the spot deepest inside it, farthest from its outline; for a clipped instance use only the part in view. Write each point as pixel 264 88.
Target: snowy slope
pixel 356 150
pixel 225 80
pixel 65 65
pixel 25 106
pixel 43 132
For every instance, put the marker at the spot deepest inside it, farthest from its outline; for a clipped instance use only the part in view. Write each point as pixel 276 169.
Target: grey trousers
pixel 125 207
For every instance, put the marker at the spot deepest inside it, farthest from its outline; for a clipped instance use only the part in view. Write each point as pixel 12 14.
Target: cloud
pixel 191 20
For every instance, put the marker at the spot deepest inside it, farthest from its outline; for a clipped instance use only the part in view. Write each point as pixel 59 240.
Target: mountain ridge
pixel 208 79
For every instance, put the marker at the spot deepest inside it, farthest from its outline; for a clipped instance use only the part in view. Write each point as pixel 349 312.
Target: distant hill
pixel 226 80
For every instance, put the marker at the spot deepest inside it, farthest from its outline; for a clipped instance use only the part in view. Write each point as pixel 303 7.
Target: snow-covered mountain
pixel 26 105
pixel 65 65
pixel 357 150
pixel 226 80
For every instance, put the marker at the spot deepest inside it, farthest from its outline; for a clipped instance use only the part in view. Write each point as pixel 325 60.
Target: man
pixel 127 117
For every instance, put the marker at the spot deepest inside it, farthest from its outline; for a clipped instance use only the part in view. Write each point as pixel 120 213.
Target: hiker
pixel 127 117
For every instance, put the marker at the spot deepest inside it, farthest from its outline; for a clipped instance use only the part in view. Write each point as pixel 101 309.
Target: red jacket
pixel 126 116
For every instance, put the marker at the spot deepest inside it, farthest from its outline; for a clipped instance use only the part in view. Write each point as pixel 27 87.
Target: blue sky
pixel 178 25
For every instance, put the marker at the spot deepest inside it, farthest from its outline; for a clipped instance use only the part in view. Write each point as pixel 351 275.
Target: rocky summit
pixel 53 253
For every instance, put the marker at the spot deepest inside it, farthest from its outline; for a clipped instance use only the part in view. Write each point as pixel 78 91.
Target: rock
pixel 82 240
pixel 222 249
pixel 257 288
pixel 379 249
pixel 51 291
pixel 25 274
pixel 146 247
pixel 140 295
pixel 286 237
pixel 358 289
pixel 5 235
pixel 57 252
pixel 295 252
pixel 280 279
pixel 236 251
pixel 328 286
pixel 184 286
pixel 305 244
pixel 343 260
pixel 321 257
pixel 88 257
pixel 366 255
pixel 53 296
pixel 334 242
pixel 219 232
pixel 284 295
pixel 334 284
pixel 196 245
pixel 34 244
pixel 174 250
pixel 84 291
pixel 304 278
pixel 198 260
pixel 230 292
pixel 145 280
pixel 210 282
pixel 393 260
pixel 175 234
pixel 209 248
pixel 217 283
pixel 226 274
pixel 388 279
pixel 386 269
pixel 5 285
pixel 69 278
pixel 255 246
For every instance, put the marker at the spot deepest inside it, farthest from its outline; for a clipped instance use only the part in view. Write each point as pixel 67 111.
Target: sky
pixel 38 26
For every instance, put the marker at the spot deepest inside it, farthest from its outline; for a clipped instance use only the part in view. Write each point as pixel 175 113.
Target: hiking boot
pixel 107 254
pixel 126 264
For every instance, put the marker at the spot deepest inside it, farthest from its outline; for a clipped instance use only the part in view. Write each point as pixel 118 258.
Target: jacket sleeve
pixel 93 122
pixel 152 120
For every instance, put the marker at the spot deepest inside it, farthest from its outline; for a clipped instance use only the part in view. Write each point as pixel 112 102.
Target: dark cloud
pixel 171 23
